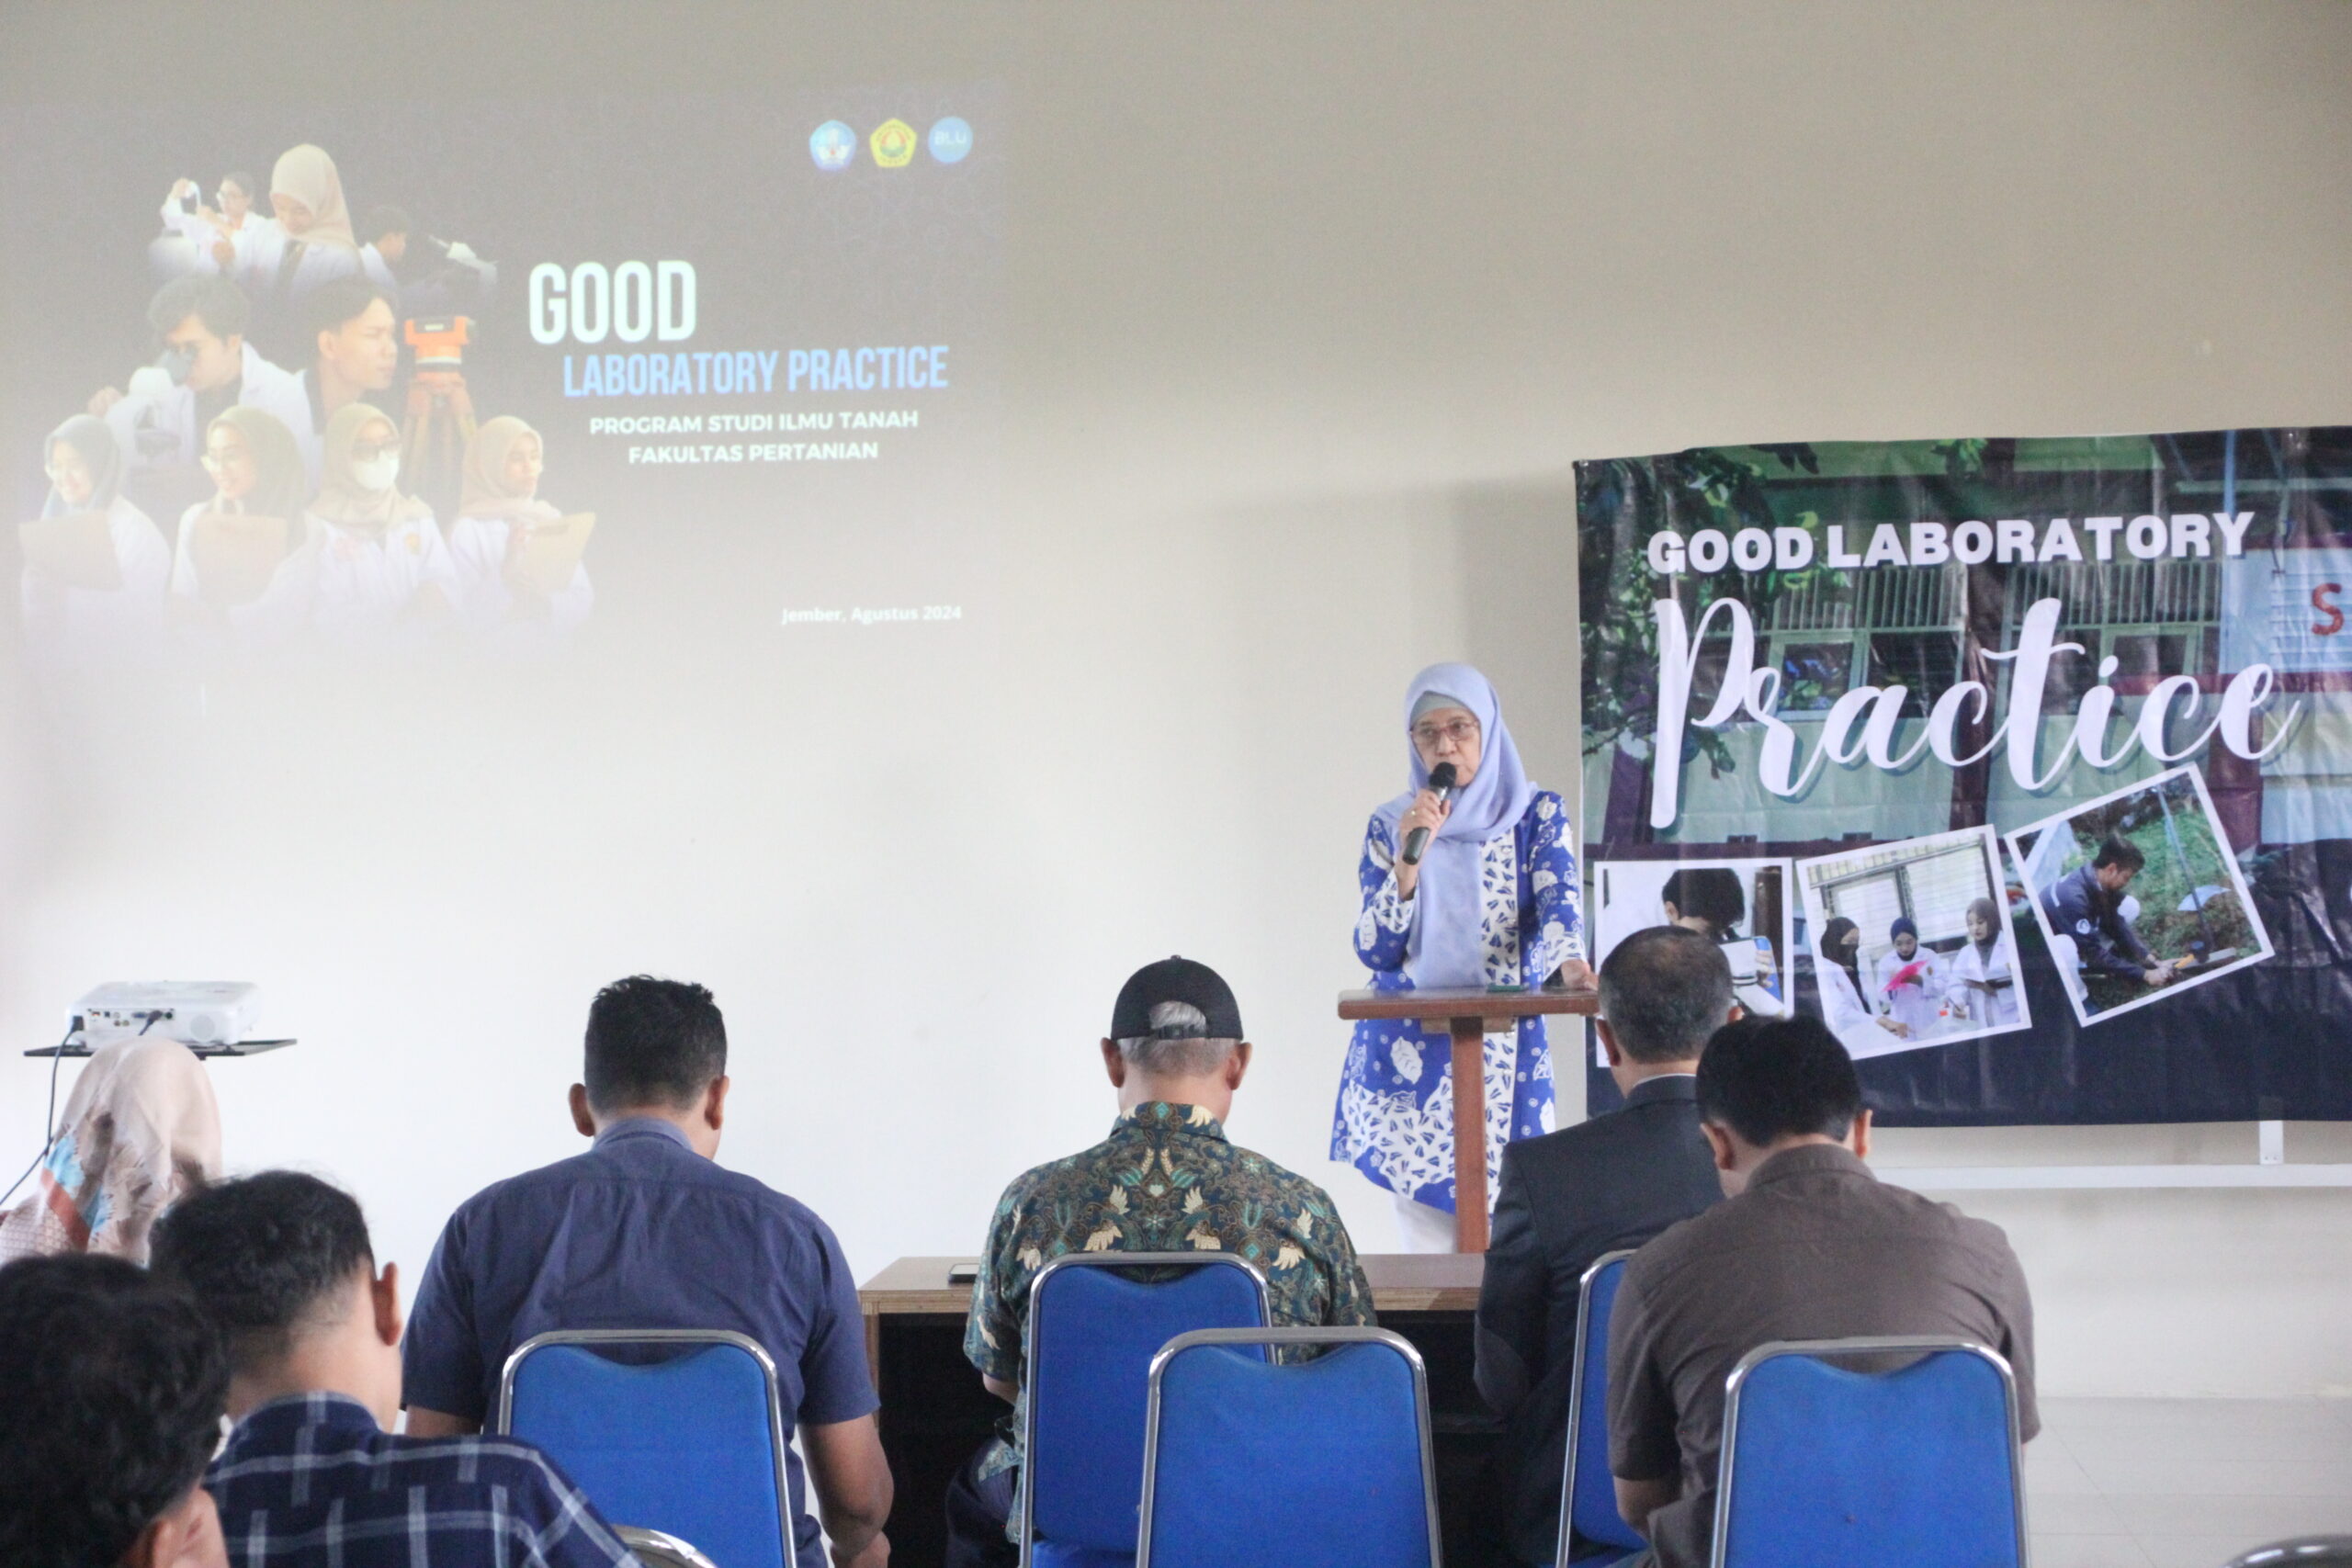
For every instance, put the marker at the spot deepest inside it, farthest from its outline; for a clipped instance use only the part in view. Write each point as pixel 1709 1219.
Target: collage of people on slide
pixel 265 477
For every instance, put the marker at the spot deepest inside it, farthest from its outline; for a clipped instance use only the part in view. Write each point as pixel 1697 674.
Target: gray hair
pixel 1665 991
pixel 1178 1046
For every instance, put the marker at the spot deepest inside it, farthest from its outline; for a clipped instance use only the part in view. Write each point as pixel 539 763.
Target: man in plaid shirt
pixel 282 1263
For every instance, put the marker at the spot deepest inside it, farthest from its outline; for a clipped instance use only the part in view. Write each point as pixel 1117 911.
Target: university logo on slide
pixel 894 144
pixel 951 139
pixel 832 146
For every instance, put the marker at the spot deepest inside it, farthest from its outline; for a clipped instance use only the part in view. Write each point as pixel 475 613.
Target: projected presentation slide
pixel 500 375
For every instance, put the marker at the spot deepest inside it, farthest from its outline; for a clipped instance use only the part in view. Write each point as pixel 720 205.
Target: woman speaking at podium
pixel 1493 901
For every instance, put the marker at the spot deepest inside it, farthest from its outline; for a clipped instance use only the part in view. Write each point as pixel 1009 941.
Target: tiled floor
pixel 2184 1483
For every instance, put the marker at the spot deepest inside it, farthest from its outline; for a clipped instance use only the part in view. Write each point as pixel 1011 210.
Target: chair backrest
pixel 2303 1551
pixel 1092 1331
pixel 1313 1464
pixel 1917 1466
pixel 1587 1489
pixel 691 1446
pixel 657 1548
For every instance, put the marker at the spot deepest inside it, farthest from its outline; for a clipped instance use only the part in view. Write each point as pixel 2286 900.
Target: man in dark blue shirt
pixel 281 1264
pixel 2086 905
pixel 645 1231
pixel 1568 1197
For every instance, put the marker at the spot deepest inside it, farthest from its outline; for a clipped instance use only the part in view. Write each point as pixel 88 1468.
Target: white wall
pixel 1313 307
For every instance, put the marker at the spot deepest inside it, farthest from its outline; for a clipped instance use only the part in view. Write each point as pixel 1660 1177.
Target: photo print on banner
pixel 1913 943
pixel 1876 665
pixel 1742 906
pixel 2138 896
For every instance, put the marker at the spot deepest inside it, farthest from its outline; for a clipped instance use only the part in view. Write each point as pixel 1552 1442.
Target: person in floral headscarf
pixel 141 1131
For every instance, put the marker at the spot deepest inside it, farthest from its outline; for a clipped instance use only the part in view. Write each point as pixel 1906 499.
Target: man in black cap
pixel 1165 1180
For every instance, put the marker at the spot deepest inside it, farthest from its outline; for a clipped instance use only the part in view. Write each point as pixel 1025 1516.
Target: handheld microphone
pixel 1441 779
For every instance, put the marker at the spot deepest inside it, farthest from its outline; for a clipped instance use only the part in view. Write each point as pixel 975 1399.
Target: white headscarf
pixel 94 440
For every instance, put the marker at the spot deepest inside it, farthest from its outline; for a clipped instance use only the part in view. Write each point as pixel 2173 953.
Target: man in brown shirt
pixel 1809 1245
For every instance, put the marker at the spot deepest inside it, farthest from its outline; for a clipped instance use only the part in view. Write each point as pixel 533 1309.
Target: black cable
pixel 49 1118
pixel 48 1121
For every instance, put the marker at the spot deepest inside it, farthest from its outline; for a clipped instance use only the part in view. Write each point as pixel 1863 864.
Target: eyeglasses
pixel 58 470
pixel 220 460
pixel 369 451
pixel 1462 732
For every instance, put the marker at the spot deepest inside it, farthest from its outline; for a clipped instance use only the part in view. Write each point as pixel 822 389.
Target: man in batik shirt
pixel 1165 1180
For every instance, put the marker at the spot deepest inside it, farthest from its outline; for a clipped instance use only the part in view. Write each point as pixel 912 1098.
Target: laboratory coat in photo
pixel 1748 977
pixel 1970 972
pixel 261 254
pixel 261 385
pixel 284 606
pixel 309 436
pixel 1913 1004
pixel 65 623
pixel 200 234
pixel 368 582
pixel 1849 1017
pixel 477 546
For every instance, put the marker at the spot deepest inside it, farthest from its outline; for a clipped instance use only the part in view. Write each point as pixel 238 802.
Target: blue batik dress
pixel 1395 1117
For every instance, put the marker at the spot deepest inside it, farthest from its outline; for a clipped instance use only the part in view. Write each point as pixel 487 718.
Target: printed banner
pixel 1976 749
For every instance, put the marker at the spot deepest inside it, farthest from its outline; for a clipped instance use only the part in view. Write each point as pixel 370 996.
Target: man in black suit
pixel 1570 1196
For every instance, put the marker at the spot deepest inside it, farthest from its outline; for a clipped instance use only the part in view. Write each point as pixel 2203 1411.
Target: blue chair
pixel 1092 1331
pixel 1823 1465
pixel 1311 1464
pixel 691 1446
pixel 1587 1488
pixel 2303 1551
pixel 656 1550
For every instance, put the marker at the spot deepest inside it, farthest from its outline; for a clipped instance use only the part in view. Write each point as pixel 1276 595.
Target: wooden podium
pixel 1468 1016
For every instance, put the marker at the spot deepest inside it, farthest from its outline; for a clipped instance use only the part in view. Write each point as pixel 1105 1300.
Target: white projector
pixel 205 1013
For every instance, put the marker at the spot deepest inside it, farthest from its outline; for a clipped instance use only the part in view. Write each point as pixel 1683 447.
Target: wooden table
pixel 1466 1017
pixel 934 1413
